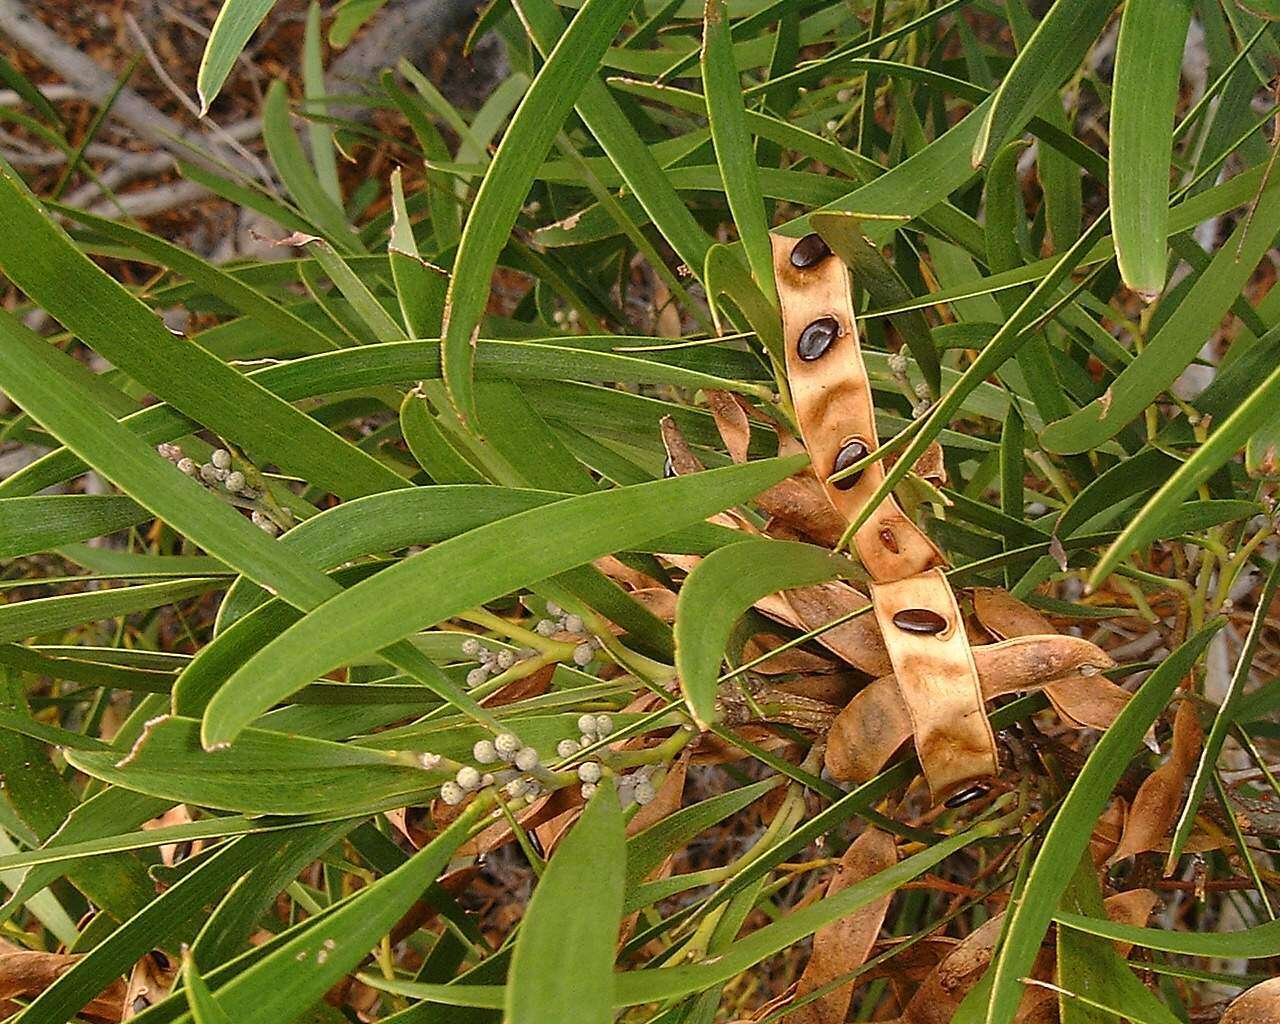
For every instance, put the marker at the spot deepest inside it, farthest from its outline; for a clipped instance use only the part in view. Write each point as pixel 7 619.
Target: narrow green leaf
pixel 1251 944
pixel 1178 339
pixel 716 593
pixel 28 525
pixel 505 186
pixel 39 257
pixel 479 566
pixel 1068 835
pixel 323 154
pixel 1144 94
pixel 1054 50
pixel 235 23
pixel 204 1008
pixel 734 151
pixel 585 872
pixel 1219 449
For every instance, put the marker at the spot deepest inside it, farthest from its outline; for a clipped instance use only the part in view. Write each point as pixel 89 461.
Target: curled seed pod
pixel 604 725
pixel 468 777
pixel 506 744
pixel 452 794
pixel 582 655
pixel 574 623
pixel 484 752
pixel 590 771
pixel 477 675
pixel 588 790
pixel 527 759
pixel 471 647
pixel 221 458
pixel 567 748
pixel 587 725
pixel 234 482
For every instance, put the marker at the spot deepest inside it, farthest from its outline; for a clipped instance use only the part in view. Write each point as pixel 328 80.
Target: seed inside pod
pixel 919 620
pixel 853 451
pixel 809 252
pixel 965 796
pixel 817 338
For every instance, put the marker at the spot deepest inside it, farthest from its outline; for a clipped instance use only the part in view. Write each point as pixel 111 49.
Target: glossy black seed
pixel 853 451
pixel 966 796
pixel 809 252
pixel 919 620
pixel 817 338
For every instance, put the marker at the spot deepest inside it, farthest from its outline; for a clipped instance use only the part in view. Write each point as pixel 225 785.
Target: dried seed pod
pixel 876 722
pixel 844 945
pixel 832 399
pixel 938 680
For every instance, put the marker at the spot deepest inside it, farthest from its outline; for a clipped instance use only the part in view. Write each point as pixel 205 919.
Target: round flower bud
pixel 573 623
pixel 208 473
pixel 471 647
pixel 567 748
pixel 897 363
pixel 505 659
pixel 429 760
pixel 590 771
pixel 221 458
pixel 585 741
pixel 604 725
pixel 527 759
pixel 582 655
pixel 452 794
pixel 234 481
pixel 922 390
pixel 644 792
pixel 626 792
pixel 484 752
pixel 554 610
pixel 545 627
pixel 587 725
pixel 487 779
pixel 187 466
pixel 588 790
pixel 506 744
pixel 468 777
pixel 517 787
pixel 477 676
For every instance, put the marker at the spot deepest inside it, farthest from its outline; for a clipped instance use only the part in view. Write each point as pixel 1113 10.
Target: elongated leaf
pixel 235 23
pixel 204 1008
pixel 1068 836
pixel 1177 341
pixel 734 152
pixel 586 870
pixel 1221 446
pixel 35 524
pixel 1053 51
pixel 479 566
pixel 1253 943
pixel 261 773
pixel 1143 95
pixel 38 256
pixel 716 593
pixel 502 193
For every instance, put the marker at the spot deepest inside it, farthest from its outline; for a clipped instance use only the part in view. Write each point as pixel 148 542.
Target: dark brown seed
pixel 919 620
pixel 817 338
pixel 809 252
pixel 889 540
pixel 966 796
pixel 853 451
